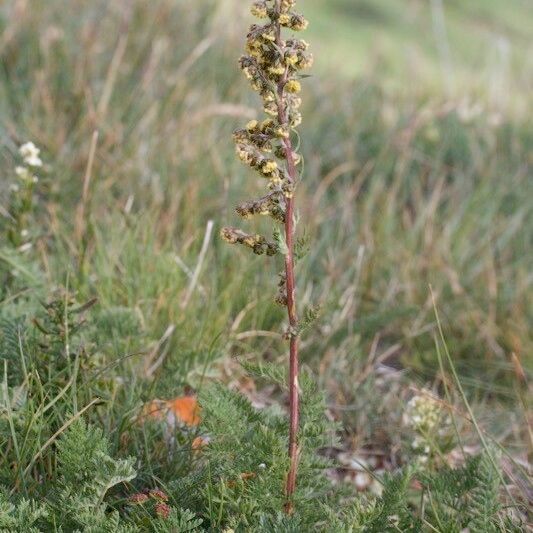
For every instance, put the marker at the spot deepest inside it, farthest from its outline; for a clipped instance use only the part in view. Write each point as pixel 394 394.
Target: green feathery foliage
pixel 484 503
pixel 389 512
pixel 467 497
pixel 11 342
pixel 21 517
pixel 86 474
pixel 245 462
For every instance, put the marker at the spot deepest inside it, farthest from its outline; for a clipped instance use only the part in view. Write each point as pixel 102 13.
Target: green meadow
pixel 416 207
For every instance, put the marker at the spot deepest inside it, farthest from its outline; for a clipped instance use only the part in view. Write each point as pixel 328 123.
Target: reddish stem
pixel 291 294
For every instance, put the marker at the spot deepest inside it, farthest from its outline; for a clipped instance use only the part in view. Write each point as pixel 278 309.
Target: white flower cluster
pixel 423 412
pixel 30 154
pixel 425 416
pixel 21 202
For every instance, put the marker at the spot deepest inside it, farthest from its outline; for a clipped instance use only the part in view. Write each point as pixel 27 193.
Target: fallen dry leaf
pixel 180 411
pixel 199 442
pixel 243 476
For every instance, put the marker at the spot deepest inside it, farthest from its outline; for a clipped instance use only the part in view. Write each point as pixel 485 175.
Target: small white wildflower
pixel 30 154
pixel 21 172
pixel 362 480
pixel 24 233
pixel 394 519
pixel 25 247
pixel 262 465
pixel 14 187
pixel 25 174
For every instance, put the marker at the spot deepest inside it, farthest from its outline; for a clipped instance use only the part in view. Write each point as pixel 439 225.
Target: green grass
pixel 406 185
pixel 402 41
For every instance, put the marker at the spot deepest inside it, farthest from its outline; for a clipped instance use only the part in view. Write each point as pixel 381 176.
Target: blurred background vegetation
pixel 417 146
pixel 446 45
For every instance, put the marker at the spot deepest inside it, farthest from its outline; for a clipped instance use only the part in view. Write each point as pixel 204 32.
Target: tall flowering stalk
pixel 272 64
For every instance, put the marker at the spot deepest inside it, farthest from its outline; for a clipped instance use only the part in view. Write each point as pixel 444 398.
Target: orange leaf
pixel 186 409
pixel 182 410
pixel 198 443
pixel 243 475
pixel 154 409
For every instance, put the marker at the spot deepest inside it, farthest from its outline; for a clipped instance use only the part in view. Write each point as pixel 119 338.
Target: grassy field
pixel 417 147
pixel 446 45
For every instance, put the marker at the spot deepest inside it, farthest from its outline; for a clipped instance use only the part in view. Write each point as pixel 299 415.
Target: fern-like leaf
pixel 484 504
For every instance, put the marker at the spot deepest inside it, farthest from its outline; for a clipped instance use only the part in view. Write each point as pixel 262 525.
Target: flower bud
pixel 293 86
pixel 259 10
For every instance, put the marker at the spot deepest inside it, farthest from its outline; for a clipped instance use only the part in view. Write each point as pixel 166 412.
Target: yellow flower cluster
pixel 257 243
pixel 281 297
pixel 272 64
pixel 268 205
